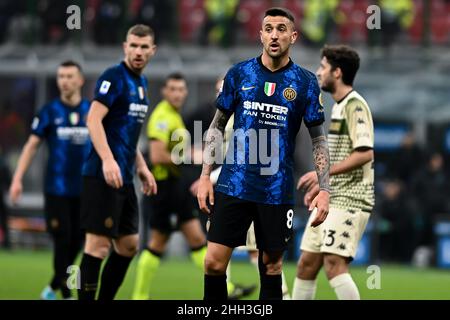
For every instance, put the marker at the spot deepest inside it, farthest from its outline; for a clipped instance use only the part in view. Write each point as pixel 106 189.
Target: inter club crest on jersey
pixel 74 118
pixel 269 88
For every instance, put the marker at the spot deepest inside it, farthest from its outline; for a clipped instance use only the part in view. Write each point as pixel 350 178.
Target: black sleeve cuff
pixel 314 123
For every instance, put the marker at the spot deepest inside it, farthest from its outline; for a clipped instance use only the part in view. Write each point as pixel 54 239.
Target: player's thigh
pixel 273 226
pixel 101 207
pixel 160 208
pixel 129 215
pixel 57 215
pixel 342 231
pixel 192 231
pixel 312 236
pixel 230 219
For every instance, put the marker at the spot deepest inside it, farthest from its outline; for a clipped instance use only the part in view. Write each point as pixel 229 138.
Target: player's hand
pixel 149 186
pixel 311 194
pixel 15 191
pixel 194 187
pixel 321 202
pixel 307 180
pixel 111 172
pixel 205 191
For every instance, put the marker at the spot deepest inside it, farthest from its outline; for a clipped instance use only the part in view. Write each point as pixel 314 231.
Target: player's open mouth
pixel 274 46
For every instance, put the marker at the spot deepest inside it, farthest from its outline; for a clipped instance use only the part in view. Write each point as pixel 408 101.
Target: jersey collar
pixel 131 72
pixel 287 66
pixel 338 102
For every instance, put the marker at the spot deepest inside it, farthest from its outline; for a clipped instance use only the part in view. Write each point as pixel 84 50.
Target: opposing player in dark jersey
pixel 109 209
pixel 269 96
pixel 62 124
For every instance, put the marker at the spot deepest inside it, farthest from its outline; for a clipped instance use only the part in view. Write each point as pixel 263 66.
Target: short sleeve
pixel 41 123
pixel 314 113
pixel 108 88
pixel 226 98
pixel 158 128
pixel 360 124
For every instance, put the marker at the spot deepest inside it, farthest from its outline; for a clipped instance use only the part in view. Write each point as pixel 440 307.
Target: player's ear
pixel 261 36
pixel 294 36
pixel 337 73
pixel 154 47
pixel 124 44
pixel 82 80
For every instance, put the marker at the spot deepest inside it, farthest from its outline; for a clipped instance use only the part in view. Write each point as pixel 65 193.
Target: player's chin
pixel 139 64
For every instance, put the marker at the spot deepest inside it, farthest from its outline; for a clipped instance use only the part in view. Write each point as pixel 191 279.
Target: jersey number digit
pixel 330 236
pixel 290 216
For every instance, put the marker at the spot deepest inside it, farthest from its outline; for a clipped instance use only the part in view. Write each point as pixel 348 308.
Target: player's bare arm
pixel 322 165
pixel 148 180
pixel 214 140
pixel 111 169
pixel 159 154
pixel 358 158
pixel 27 155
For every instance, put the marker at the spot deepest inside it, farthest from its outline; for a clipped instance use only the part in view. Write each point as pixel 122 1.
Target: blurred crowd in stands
pixel 412 194
pixel 225 22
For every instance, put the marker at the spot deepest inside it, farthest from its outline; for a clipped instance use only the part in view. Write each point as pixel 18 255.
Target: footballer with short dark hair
pixel 109 209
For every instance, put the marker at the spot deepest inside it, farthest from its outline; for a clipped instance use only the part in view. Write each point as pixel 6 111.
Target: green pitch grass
pixel 23 274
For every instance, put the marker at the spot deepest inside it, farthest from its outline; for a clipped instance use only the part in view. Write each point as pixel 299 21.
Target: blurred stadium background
pixel 405 76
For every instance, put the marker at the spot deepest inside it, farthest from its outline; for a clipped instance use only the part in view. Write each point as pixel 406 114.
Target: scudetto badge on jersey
pixel 269 88
pixel 141 93
pixel 289 94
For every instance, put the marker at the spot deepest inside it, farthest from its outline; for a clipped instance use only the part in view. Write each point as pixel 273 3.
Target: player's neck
pixel 72 101
pixel 274 64
pixel 341 92
pixel 130 68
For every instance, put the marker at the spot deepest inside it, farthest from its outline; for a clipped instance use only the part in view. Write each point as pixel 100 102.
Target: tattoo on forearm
pixel 214 140
pixel 322 162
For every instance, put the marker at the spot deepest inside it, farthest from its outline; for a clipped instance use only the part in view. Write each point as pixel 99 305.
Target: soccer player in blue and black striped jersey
pixel 269 96
pixel 62 123
pixel 109 209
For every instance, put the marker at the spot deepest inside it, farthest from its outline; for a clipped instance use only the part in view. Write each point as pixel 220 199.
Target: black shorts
pixel 231 217
pixel 62 215
pixel 172 206
pixel 107 211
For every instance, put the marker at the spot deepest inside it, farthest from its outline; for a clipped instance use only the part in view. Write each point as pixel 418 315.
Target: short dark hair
pixel 174 76
pixel 71 63
pixel 279 12
pixel 344 58
pixel 141 30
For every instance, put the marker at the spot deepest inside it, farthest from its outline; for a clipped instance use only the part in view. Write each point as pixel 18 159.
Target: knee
pixel 306 268
pixel 128 248
pixel 334 265
pixel 197 240
pixel 97 248
pixel 274 268
pixel 214 266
